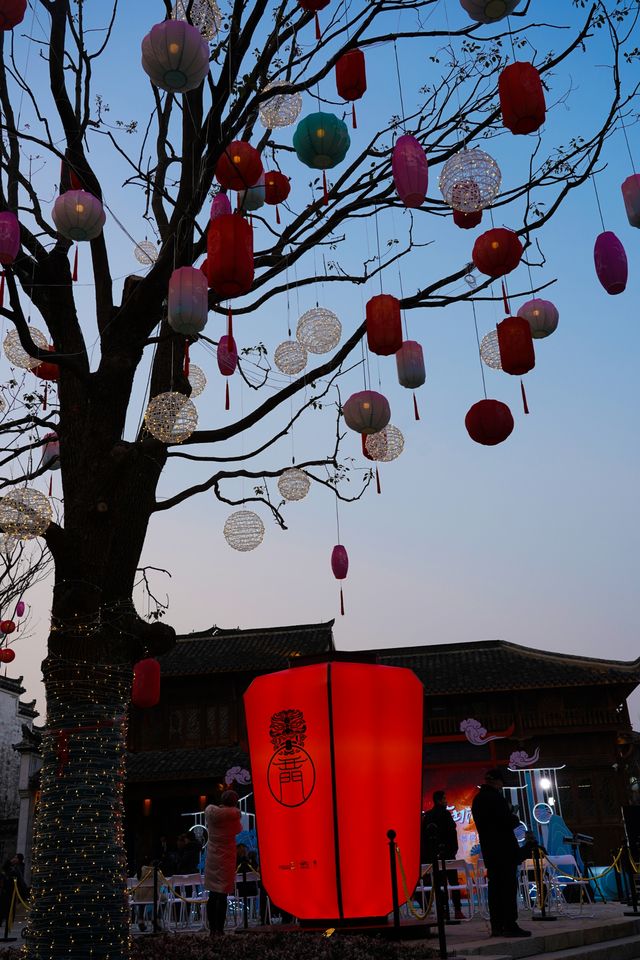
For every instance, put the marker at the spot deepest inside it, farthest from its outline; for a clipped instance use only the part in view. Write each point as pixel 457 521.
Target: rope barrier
pixel 598 876
pixel 16 893
pixel 409 899
pixel 170 887
pixel 140 882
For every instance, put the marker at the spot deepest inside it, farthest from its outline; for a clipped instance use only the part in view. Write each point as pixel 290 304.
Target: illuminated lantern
pixel 277 187
pixel 470 180
pixel 488 11
pixel 227 356
pixel 340 568
pixel 51 452
pixel 321 141
pixel 175 56
pixel 497 252
pixel 188 305
pixel 11 14
pixel 219 205
pixel 9 237
pixel 410 364
pixel 254 197
pixel 78 215
pixel 517 355
pixel 230 255
pixel 145 691
pixel 410 171
pixel 313 6
pixel 7 626
pixel 611 262
pixel 366 412
pixel 239 166
pixel 351 77
pixel 489 422
pixel 45 370
pixel 631 196
pixel 521 98
pixel 7 655
pixel 319 736
pixel 467 221
pixel 281 109
pixel 542 317
pixel 384 325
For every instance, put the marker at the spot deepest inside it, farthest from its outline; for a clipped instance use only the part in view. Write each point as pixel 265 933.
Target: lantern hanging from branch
pixel 313 6
pixel 517 355
pixel 78 215
pixel 25 513
pixel 277 188
pixel 340 568
pixel 386 445
pixel 351 77
pixel 384 324
pixel 253 198
pixel 145 690
pixel 631 196
pixel 521 98
pixel 320 735
pixel 321 141
pixel 188 301
pixel 497 252
pixel 171 417
pixel 9 237
pixel 470 181
pixel 45 370
pixel 145 253
pixel 51 452
pixel 489 11
pixel 366 412
pixel 175 56
pixel 611 262
pixel 410 364
pixel 542 317
pixel 197 379
pixel 294 484
pixel 290 357
pixel 467 221
pixel 319 330
pixel 205 15
pixel 281 109
pixel 12 13
pixel 244 530
pixel 17 355
pixel 7 655
pixel 227 357
pixel 239 166
pixel 230 255
pixel 410 170
pixel 490 350
pixel 219 205
pixel 489 422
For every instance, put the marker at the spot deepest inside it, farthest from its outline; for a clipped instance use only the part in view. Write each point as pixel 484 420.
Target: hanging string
pixel 475 323
pixel 395 52
pixel 338 521
pixel 404 312
pixel 593 181
pixel 626 140
pixel 378 244
pixel 513 49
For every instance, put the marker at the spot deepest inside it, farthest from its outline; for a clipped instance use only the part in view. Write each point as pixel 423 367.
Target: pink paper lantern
pixel 188 301
pixel 541 315
pixel 367 412
pixel 631 196
pixel 78 215
pixel 227 356
pixel 410 171
pixel 410 364
pixel 220 205
pixel 339 562
pixel 175 56
pixel 20 608
pixel 9 237
pixel 611 262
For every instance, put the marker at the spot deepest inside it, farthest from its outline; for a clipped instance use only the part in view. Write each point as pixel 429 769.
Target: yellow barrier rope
pixel 16 893
pixel 595 876
pixel 169 886
pixel 12 906
pixel 140 881
pixel 634 866
pixel 408 896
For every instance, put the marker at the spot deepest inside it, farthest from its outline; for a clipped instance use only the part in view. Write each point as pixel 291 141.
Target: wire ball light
pixel 25 513
pixel 470 181
pixel 319 330
pixel 171 417
pixel 385 446
pixel 490 350
pixel 294 484
pixel 17 355
pixel 197 379
pixel 7 544
pixel 205 15
pixel 3 404
pixel 145 253
pixel 244 530
pixel 290 357
pixel 280 110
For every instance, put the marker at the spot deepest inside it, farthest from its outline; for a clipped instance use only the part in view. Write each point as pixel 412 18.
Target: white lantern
pixel 197 379
pixel 15 353
pixel 25 513
pixel 386 445
pixel 205 16
pixel 282 109
pixel 188 301
pixel 175 56
pixel 489 11
pixel 294 484
pixel 470 181
pixel 253 198
pixel 319 330
pixel 145 253
pixel 78 215
pixel 171 417
pixel 7 544
pixel 490 350
pixel 244 530
pixel 290 357
pixel 541 315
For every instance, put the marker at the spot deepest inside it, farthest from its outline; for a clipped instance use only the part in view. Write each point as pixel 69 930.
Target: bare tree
pixel 109 478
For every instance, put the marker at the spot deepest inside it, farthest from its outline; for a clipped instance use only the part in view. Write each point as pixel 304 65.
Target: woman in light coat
pixel 223 825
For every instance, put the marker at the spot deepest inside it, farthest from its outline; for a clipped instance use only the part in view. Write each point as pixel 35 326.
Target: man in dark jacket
pixel 495 823
pixel 446 843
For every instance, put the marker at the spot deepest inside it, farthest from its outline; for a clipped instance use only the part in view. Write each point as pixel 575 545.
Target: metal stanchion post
pixel 391 834
pixel 432 834
pixel 616 875
pixel 155 896
pixel 631 878
pixel 245 912
pixel 540 886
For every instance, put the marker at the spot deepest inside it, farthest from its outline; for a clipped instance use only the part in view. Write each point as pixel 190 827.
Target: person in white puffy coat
pixel 223 825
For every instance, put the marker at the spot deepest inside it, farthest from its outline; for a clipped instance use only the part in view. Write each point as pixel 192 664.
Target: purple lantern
pixel 340 568
pixel 631 196
pixel 175 56
pixel 9 237
pixel 227 356
pixel 611 262
pixel 410 171
pixel 366 412
pixel 20 608
pixel 410 363
pixel 220 205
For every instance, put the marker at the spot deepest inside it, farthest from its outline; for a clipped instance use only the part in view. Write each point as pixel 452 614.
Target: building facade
pixel 16 717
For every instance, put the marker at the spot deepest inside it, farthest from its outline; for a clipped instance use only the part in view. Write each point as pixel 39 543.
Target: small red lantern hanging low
pixel 277 188
pixel 239 166
pixel 351 78
pixel 489 422
pixel 411 369
pixel 227 357
pixel 145 691
pixel 611 263
pixel 7 655
pixel 631 196
pixel 9 237
pixel 45 370
pixel 521 98
pixel 340 568
pixel 11 14
pixel 497 252
pixel 384 325
pixel 517 355
pixel 313 6
pixel 410 169
pixel 230 255
pixel 367 412
pixel 7 626
pixel 467 221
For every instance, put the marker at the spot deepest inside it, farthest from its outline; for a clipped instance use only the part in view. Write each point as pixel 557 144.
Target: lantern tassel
pixel 186 359
pixel 416 412
pixel 50 485
pixel 325 189
pixel 354 119
pixel 2 289
pixel 229 328
pixel 524 398
pixel 44 398
pixel 74 275
pixel 341 603
pixel 226 397
pixel 504 299
pixel 318 34
pixel 378 487
pixel 277 214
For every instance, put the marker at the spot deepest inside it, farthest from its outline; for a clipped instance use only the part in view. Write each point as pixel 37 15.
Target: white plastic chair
pixel 253 910
pixel 466 889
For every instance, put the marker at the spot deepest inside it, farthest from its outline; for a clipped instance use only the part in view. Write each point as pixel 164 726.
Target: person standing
pixel 447 843
pixel 223 825
pixel 495 823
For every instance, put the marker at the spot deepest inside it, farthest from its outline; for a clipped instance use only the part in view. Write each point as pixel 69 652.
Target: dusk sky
pixel 535 541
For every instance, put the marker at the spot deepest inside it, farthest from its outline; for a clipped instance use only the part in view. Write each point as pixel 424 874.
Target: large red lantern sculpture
pixel 230 255
pixel 497 252
pixel 351 78
pixel 145 691
pixel 12 13
pixel 239 166
pixel 384 325
pixel 521 98
pixel 611 262
pixel 410 170
pixel 631 196
pixel 320 737
pixel 517 355
pixel 489 422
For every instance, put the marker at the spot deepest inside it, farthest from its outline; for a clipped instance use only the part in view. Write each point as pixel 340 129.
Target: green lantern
pixel 321 140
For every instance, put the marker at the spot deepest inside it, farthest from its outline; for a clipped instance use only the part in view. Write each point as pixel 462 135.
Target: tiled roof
pixel 498 665
pixel 252 651
pixel 211 764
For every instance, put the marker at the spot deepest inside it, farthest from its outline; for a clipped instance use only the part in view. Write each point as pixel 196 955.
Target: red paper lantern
pixel 145 691
pixel 497 252
pixel 7 655
pixel 384 325
pixel 517 355
pixel 227 356
pixel 467 221
pixel 351 75
pixel 319 737
pixel 277 187
pixel 230 255
pixel 489 422
pixel 239 167
pixel 313 5
pixel 521 98
pixel 7 626
pixel 46 370
pixel 11 14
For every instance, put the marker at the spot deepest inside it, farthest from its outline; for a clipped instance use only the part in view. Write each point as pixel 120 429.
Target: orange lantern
pixel 230 255
pixel 384 325
pixel 239 166
pixel 497 252
pixel 517 355
pixel 320 737
pixel 521 98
